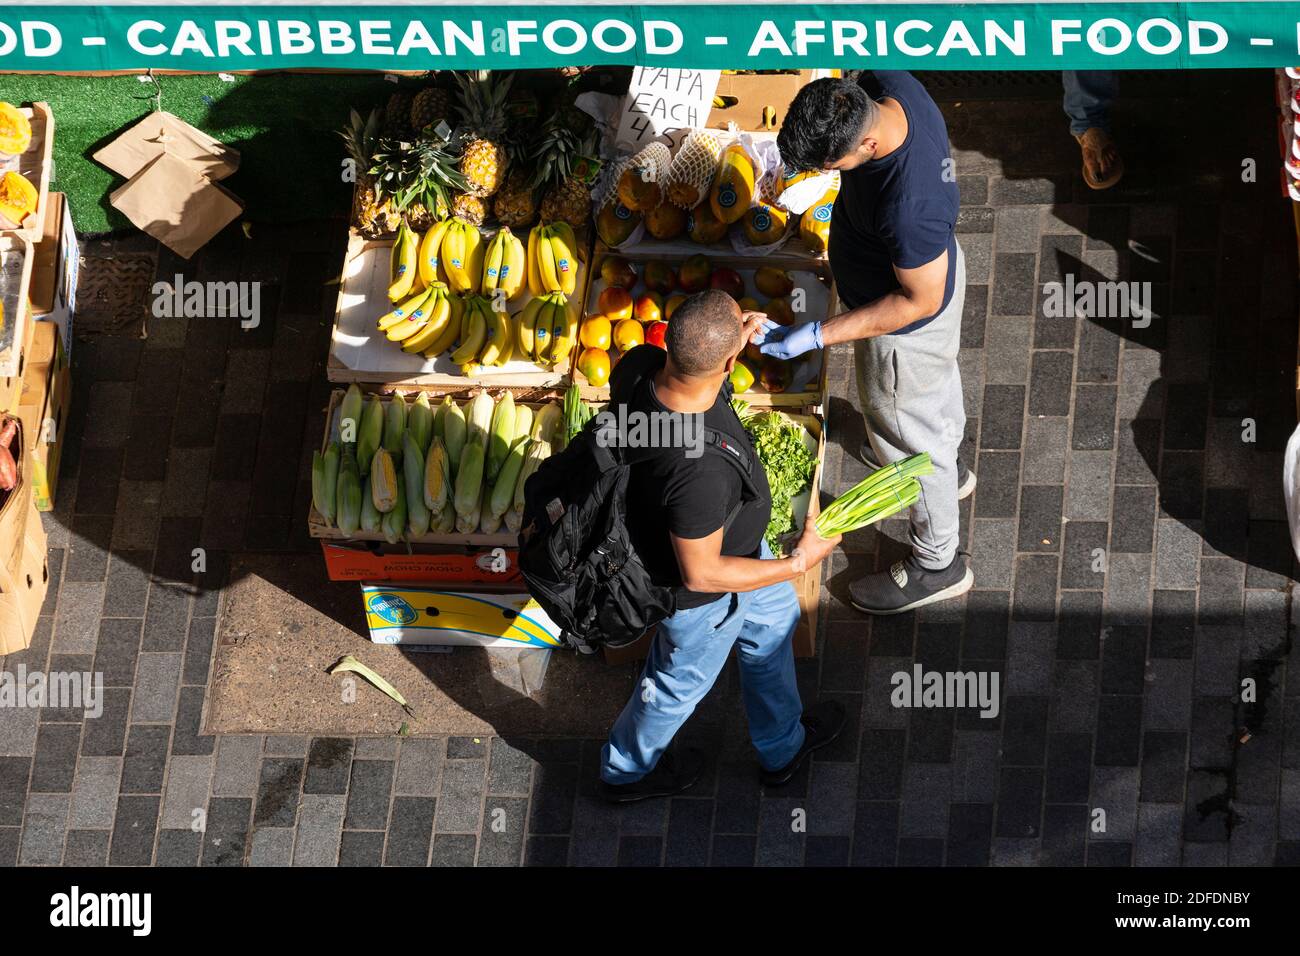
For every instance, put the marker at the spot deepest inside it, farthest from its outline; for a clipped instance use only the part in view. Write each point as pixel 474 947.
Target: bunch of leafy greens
pixel 788 463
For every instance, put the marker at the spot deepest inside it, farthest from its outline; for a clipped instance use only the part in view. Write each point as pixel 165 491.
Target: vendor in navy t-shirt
pixel 900 275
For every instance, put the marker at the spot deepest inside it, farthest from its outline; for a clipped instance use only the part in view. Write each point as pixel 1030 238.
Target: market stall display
pixel 26 148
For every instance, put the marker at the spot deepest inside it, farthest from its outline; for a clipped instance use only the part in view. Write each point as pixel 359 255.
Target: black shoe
pixel 907 586
pixel 822 723
pixel 965 481
pixel 673 774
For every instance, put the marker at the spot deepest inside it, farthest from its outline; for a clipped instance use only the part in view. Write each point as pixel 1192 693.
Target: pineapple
pixel 372 216
pixel 397 115
pixel 469 207
pixel 419 177
pixel 516 204
pixel 483 123
pixel 430 107
pixel 564 140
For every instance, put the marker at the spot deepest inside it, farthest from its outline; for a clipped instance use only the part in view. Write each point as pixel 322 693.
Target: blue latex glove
pixel 788 341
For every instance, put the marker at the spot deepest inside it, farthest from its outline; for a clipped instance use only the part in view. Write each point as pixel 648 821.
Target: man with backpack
pixel 696 521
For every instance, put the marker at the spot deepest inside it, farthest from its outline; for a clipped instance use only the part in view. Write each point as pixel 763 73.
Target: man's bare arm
pixel 920 295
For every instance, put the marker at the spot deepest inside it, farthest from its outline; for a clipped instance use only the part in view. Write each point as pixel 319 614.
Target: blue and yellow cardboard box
pixel 403 614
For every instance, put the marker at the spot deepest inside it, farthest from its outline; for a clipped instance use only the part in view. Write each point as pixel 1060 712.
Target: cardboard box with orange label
pixel 43 409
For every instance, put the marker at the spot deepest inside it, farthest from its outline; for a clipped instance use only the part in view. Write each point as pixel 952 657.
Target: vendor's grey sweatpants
pixel 910 389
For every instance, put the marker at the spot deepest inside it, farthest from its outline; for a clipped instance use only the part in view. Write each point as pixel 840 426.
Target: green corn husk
pixel 371 433
pixel 419 423
pixel 455 430
pixel 395 427
pixel 882 493
pixel 445 521
pixel 469 523
pixel 417 513
pixel 500 434
pixel 348 498
pixel 370 516
pixel 547 422
pixel 537 453
pixel 324 481
pixel 350 411
pixel 490 523
pixel 576 414
pixel 394 521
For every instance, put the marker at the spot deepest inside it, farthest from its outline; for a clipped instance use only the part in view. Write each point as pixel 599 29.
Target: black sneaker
pixel 673 774
pixel 822 723
pixel 965 481
pixel 907 586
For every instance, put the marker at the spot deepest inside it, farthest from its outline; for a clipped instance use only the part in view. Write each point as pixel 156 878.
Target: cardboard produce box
pixel 749 93
pixel 43 409
pixel 379 561
pixel 56 261
pixel 407 614
pixel 23 584
pixel 15 503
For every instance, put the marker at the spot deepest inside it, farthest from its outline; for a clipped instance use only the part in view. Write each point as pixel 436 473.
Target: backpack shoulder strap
pixel 724 446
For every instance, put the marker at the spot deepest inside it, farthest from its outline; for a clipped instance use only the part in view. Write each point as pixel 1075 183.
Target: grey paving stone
pixel 1046 443
pixel 188 782
pixel 925 800
pixel 1087 489
pixel 86 848
pixel 328 763
pixel 44 829
pixel 361 848
pixel 1128 589
pixel 779 844
pixel 1159 835
pixel 1031 650
pixel 238 763
pixel 410 832
pixel 453 849
pixel 271 847
pixel 1007 343
pixel 375 748
pixel 320 825
pixel 879 711
pixel 227 835
pixel 978 249
pixel 1016 228
pixel 1178 555
pixel 975 766
pixel 76 623
pixel 286 746
pixel 186 739
pixel 832 798
pixel 94 793
pixel 1115 790
pixel 18 731
pixel 419 766
pixel 1040 518
pixel 134 828
pixel 116 651
pixel 106 735
pixel 1168 697
pixel 167 618
pixel 157 676
pixel 1254 838
pixel 145 761
pixel 56 758
pixel 460 801
pixel 128 583
pixel 185 487
pixel 278 793
pixel 179 848
pixel 1013 283
pixel 993 552
pixel 369 794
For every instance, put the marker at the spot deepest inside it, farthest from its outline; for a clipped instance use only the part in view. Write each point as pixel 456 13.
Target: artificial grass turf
pixel 284 126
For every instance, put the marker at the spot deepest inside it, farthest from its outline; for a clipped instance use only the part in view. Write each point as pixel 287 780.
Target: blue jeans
pixel 687 655
pixel 1088 96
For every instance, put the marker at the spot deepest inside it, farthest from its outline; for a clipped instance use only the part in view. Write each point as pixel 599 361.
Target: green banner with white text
pixel 925 36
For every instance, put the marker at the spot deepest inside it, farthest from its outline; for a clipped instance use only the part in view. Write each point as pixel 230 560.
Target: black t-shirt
pixel 900 210
pixel 671 493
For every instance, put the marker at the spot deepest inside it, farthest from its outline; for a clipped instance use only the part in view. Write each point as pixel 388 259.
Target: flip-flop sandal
pixel 1093 143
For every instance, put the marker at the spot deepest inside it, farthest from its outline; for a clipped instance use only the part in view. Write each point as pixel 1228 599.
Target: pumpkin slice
pixel 17 197
pixel 15 130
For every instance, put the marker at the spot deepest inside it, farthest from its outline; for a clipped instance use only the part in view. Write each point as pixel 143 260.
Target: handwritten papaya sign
pixel 665 103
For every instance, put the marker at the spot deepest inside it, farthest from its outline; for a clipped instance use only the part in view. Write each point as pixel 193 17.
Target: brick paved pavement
pixel 1119 685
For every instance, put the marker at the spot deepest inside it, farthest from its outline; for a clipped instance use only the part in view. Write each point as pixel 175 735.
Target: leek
pixel 882 493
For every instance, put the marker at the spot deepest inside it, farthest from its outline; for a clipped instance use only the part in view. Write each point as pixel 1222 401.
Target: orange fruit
pixel 671 305
pixel 628 334
pixel 594 364
pixel 595 333
pixel 616 303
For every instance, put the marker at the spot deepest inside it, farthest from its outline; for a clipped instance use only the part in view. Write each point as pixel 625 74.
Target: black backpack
pixel 575 552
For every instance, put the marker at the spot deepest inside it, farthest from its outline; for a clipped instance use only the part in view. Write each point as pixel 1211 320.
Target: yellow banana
pixel 473 334
pixel 511 277
pixel 535 286
pixel 439 309
pixel 451 331
pixel 526 321
pixel 566 263
pixel 565 231
pixel 475 248
pixel 563 343
pixel 402 262
pixel 406 328
pixel 492 264
pixel 402 310
pixel 454 259
pixel 429 251
pixel 546 268
pixel 499 342
pixel 560 342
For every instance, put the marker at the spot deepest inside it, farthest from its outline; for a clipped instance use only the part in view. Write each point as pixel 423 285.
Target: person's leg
pixel 910 388
pixel 1088 98
pixel 685 659
pixel 765 653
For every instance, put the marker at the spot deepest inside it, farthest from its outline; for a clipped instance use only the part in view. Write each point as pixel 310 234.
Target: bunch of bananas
pixel 552 259
pixel 547 328
pixel 450 288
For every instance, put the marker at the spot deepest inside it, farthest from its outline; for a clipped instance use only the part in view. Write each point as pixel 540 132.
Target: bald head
pixel 704 333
